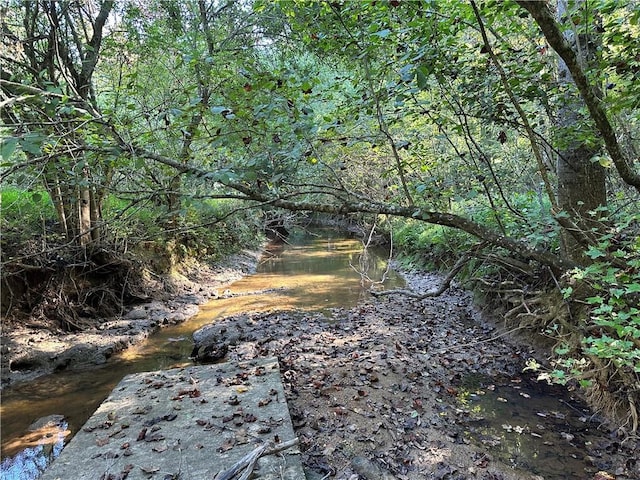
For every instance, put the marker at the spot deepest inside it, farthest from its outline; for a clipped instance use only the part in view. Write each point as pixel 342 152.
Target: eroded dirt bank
pixel 29 351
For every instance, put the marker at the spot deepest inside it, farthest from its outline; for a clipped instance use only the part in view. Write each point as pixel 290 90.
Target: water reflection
pixel 30 462
pixel 312 272
pixel 530 426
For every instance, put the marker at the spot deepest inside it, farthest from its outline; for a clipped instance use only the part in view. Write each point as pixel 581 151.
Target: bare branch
pixel 249 460
pixel 462 261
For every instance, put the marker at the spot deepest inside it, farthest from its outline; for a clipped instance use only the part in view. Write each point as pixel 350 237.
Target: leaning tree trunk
pixel 581 180
pixel 84 209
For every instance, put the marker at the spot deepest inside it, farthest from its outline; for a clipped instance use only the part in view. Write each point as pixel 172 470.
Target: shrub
pixel 24 212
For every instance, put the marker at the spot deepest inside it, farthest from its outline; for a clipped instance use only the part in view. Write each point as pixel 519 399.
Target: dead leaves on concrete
pixel 209 415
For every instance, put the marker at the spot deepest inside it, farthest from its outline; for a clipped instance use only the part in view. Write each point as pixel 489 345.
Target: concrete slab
pixel 185 423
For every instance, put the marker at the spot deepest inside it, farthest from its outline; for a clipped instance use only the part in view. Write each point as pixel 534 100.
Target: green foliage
pixel 609 288
pixel 209 228
pixel 421 245
pixel 23 212
pixel 614 306
pixel 212 229
pixel 424 245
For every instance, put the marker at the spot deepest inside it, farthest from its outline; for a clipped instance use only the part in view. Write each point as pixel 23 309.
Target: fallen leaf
pixel 228 444
pixel 193 393
pixel 101 442
pixel 603 476
pixel 150 470
pixel 154 437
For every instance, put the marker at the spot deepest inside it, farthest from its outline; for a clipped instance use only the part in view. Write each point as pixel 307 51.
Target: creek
pixel 528 427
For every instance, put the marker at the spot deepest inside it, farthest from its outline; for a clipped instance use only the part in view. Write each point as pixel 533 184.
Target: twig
pixel 434 293
pixel 248 462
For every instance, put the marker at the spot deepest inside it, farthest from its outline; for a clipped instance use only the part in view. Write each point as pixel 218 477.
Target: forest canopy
pixel 494 138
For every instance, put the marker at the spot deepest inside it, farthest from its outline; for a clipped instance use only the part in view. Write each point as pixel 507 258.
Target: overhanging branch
pixel 363 205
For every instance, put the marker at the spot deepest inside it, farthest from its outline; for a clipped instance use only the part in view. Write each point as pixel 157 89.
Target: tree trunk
pixel 552 33
pixel 58 202
pixel 84 209
pixel 96 216
pixel 581 181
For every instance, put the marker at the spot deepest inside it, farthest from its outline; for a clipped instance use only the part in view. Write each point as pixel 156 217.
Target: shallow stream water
pixel 313 271
pixel 533 429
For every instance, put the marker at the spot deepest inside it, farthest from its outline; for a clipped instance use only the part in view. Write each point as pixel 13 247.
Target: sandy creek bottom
pixel 311 273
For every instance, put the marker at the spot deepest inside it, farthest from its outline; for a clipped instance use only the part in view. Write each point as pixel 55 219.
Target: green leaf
pixel 32 143
pixel 140 163
pixel 597 300
pixel 633 288
pixel 421 78
pixel 594 252
pixel 617 292
pixel 7 147
pixel 602 160
pixel 218 109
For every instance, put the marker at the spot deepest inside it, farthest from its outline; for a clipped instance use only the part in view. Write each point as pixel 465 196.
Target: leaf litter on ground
pixel 377 391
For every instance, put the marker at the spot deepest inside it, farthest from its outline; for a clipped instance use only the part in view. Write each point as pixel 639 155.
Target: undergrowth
pixel 49 280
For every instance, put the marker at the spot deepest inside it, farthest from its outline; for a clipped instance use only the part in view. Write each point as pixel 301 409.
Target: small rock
pixel 137 314
pixel 48 421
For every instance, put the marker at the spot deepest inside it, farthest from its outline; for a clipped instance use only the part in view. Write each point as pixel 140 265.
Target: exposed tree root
pixel 613 391
pixel 72 290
